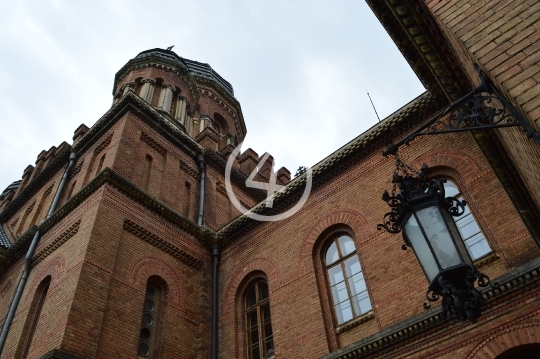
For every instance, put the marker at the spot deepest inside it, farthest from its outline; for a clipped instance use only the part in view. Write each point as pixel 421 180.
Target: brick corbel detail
pixel 208 138
pixel 162 244
pixel 283 176
pixel 55 244
pixel 248 161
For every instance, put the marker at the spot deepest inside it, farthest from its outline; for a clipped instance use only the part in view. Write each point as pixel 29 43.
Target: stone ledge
pixel 355 322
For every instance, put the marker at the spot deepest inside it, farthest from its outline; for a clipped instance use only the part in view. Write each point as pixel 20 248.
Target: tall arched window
pixel 468 228
pixel 349 292
pixel 260 343
pixel 32 319
pixel 152 306
pixel 147 170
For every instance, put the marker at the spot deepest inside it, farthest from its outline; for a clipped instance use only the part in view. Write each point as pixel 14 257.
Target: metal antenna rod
pixel 373 106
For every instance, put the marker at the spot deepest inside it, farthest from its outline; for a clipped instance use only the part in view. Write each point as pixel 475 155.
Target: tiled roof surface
pixel 4 241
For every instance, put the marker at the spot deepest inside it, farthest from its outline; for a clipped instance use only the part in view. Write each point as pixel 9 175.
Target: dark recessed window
pixel 149 321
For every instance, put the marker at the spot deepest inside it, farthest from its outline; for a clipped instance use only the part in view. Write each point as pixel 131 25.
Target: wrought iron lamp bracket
pixel 482 108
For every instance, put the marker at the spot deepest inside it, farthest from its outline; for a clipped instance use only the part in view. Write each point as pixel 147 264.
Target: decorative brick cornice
pixel 113 179
pixel 162 244
pixel 51 247
pixel 509 283
pixel 37 183
pixel 422 43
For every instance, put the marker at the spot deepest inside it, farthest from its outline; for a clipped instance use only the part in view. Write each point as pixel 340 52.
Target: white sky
pixel 300 69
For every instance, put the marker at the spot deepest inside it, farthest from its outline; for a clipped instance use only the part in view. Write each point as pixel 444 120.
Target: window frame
pixel 260 319
pixel 159 299
pixel 473 212
pixel 330 238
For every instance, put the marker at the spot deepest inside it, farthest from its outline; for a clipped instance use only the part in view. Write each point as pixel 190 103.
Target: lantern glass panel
pixel 421 248
pixel 440 239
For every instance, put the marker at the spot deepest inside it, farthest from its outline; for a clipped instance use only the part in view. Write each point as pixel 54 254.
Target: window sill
pixel 355 322
pixel 485 260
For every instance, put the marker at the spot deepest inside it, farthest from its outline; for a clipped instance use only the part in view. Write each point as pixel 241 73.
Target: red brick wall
pixel 63 265
pixel 502 36
pixel 285 251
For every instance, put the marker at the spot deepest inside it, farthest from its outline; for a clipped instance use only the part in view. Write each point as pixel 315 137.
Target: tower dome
pixel 190 92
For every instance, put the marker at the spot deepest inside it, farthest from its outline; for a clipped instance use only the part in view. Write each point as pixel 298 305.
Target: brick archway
pixel 348 217
pixel 268 267
pixel 456 160
pixel 144 267
pixel 55 268
pixel 506 339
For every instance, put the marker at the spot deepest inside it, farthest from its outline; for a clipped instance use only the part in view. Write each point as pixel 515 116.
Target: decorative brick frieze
pixel 76 169
pixel 153 144
pixel 189 170
pixel 162 244
pixel 56 243
pixel 103 144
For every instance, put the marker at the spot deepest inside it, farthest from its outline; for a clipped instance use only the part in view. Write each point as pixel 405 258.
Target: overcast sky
pixel 300 69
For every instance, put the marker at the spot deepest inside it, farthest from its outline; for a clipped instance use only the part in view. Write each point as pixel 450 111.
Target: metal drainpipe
pixel 30 254
pixel 216 254
pixel 202 174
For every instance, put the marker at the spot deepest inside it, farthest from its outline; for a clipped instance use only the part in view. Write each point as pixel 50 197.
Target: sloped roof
pixel 4 241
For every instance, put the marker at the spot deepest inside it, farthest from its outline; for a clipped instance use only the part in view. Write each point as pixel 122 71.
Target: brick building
pixel 110 246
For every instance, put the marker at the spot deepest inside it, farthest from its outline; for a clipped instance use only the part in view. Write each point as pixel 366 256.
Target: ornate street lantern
pixel 424 215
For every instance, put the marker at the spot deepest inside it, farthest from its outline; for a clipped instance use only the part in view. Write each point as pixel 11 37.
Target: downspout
pixel 30 254
pixel 202 175
pixel 216 254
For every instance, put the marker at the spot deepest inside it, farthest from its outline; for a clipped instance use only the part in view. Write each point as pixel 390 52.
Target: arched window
pixel 148 168
pixel 32 319
pixel 349 292
pixel 100 165
pixel 260 343
pixel 468 228
pixel 152 305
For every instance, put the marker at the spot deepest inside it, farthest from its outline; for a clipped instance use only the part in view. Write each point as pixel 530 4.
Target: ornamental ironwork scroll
pixel 482 108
